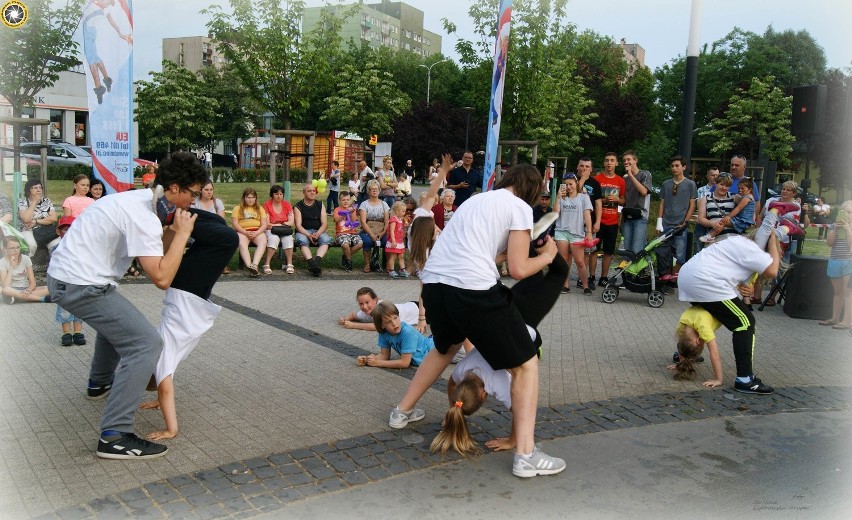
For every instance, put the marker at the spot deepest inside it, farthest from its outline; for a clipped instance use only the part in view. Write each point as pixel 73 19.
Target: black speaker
pixel 809 110
pixel 808 292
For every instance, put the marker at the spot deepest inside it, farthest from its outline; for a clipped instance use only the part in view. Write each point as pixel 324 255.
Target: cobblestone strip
pixel 264 484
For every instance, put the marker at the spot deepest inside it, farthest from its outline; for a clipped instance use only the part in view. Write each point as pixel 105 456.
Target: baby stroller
pixel 639 272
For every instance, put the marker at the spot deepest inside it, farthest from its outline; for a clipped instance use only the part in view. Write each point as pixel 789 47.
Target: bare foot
pixel 162 434
pixel 150 405
pixel 500 444
pixel 361 361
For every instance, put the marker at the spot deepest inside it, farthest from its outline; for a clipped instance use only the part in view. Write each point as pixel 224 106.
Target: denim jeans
pixel 635 233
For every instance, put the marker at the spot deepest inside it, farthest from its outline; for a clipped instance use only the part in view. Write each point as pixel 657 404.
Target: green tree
pixel 35 53
pixel 756 116
pixel 238 112
pixel 369 104
pixel 174 111
pixel 543 99
pixel 283 70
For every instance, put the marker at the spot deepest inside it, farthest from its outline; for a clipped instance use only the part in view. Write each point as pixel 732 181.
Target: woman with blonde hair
pixel 839 268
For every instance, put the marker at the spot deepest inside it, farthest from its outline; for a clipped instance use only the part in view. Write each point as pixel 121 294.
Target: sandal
pixel 132 271
pixel 840 326
pixel 267 269
pixel 366 268
pixel 828 322
pixel 290 269
pixel 253 272
pixel 769 303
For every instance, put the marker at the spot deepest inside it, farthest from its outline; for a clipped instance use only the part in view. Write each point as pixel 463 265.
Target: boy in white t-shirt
pixel 711 279
pixel 106 238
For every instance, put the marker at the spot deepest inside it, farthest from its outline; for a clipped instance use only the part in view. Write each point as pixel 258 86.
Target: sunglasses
pixel 569 176
pixel 724 175
pixel 674 188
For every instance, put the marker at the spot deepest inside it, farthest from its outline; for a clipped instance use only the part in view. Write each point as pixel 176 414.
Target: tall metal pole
pixel 687 120
pixel 429 77
pixel 468 111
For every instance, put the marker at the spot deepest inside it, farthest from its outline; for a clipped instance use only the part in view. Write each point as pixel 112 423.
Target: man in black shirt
pixel 465 180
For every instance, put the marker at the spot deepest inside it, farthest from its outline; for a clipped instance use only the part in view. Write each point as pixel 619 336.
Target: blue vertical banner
pixel 108 57
pixel 495 112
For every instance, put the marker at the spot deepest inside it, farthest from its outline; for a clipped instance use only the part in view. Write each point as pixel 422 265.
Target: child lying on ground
pixel 396 335
pixel 409 312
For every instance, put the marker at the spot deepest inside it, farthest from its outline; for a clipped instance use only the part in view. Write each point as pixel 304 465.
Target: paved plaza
pixel 276 421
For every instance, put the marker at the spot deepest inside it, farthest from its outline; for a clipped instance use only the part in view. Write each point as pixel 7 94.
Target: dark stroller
pixel 639 272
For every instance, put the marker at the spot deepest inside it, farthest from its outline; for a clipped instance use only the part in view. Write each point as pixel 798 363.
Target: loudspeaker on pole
pixel 809 110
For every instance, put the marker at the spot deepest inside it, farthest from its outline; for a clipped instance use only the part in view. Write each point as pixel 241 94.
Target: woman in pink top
pixel 78 201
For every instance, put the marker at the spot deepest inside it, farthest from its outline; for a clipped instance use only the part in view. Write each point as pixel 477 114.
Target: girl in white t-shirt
pixel 464 299
pixel 574 229
pixel 16 275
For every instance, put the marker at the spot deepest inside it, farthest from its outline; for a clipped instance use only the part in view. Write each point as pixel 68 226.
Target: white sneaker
pixel 707 239
pixel 400 419
pixel 538 463
pixel 458 357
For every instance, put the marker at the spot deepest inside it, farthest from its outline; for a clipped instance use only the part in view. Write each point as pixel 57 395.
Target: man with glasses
pixel 465 180
pixel 677 204
pixel 155 226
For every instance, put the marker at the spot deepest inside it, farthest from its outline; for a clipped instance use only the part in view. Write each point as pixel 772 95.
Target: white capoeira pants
pixel 185 318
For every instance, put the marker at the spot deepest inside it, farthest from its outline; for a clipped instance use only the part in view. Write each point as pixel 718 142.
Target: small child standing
pixel 395 245
pixel 347 229
pixel 65 319
pixel 742 216
pixel 396 335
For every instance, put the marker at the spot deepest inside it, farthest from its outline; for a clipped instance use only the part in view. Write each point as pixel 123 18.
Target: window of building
pixel 80 128
pixel 27 132
pixel 55 125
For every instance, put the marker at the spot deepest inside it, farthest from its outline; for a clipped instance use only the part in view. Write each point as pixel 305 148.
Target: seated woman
pixel 280 231
pixel 444 210
pixel 96 189
pixel 16 275
pixel 208 202
pixel 37 218
pixel 250 222
pixel 374 214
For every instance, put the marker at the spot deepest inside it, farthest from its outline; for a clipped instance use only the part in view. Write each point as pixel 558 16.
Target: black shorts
pixel 489 319
pixel 608 236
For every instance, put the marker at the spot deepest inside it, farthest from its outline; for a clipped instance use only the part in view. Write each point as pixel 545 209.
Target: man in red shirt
pixel 612 189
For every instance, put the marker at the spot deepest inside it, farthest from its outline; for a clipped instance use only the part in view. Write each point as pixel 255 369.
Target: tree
pixel 543 98
pixel 237 110
pixel 35 53
pixel 757 116
pixel 284 71
pixel 369 104
pixel 174 111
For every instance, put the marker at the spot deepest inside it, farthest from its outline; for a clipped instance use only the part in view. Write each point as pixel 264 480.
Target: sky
pixel 661 27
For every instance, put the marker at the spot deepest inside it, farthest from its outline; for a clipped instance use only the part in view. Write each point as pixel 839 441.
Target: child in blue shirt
pixel 397 335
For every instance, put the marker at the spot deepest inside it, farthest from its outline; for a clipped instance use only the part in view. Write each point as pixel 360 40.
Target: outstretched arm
pixel 716 362
pixel 443 170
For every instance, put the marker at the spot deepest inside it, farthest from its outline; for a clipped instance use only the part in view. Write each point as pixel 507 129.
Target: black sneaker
pixel 79 338
pixel 129 446
pixel 67 340
pixel 314 267
pixel 95 391
pixel 579 284
pixel 587 291
pixel 603 282
pixel 755 387
pixel 591 281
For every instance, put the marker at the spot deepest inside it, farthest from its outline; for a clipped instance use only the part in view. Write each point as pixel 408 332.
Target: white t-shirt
pixel 713 274
pixel 498 383
pixel 20 277
pixel 572 214
pixel 98 248
pixel 464 254
pixel 409 312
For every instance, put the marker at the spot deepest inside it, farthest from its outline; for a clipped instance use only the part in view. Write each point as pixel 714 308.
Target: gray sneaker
pixel 538 463
pixel 400 419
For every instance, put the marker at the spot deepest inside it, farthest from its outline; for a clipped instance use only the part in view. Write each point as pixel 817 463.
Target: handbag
pixel 376 227
pixel 44 234
pixel 631 213
pixel 281 231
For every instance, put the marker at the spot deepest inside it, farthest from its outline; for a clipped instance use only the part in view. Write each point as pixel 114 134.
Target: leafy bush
pixel 56 172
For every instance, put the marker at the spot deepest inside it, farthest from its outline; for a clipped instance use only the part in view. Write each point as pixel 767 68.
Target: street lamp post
pixel 468 111
pixel 429 77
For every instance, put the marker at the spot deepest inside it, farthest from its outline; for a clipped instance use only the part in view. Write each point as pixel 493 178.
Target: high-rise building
pixel 386 24
pixel 634 55
pixel 192 52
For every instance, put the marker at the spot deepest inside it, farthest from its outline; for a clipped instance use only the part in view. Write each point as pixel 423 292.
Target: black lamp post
pixel 468 111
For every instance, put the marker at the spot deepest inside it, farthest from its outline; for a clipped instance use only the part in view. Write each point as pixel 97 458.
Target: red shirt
pixel 610 185
pixel 277 218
